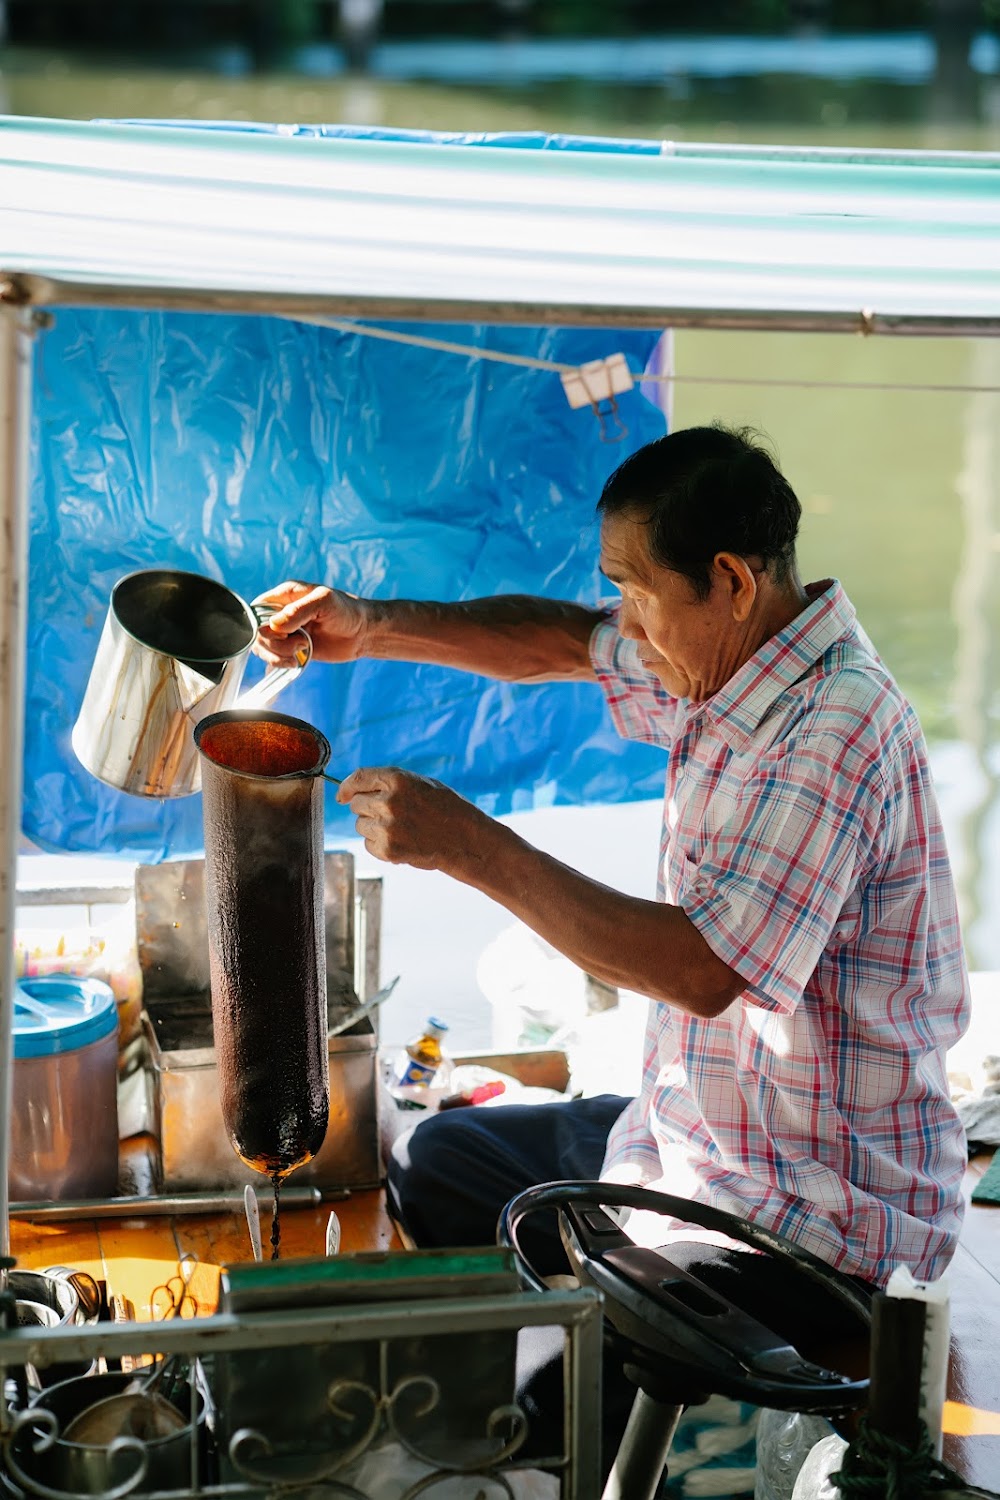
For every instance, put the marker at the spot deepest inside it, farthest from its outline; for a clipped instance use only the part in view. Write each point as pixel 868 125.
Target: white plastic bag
pixel 784 1441
pixel 540 999
pixel 822 1460
pixel 538 996
pixel 386 1472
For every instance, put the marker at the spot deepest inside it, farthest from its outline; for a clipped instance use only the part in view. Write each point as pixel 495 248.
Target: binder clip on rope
pixel 597 384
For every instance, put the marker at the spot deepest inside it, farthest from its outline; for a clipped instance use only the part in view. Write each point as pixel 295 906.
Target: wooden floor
pixel 972 1414
pixel 136 1256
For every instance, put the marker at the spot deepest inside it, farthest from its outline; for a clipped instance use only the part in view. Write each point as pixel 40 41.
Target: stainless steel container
pixel 50 1292
pixel 195 1149
pixel 49 1300
pixel 95 1469
pixel 173 650
pixel 64 1115
pixel 195 1152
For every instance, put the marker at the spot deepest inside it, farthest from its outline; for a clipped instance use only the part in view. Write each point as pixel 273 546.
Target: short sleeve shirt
pixel 801 837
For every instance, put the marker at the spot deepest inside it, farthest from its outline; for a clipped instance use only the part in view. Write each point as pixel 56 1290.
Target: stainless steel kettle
pixel 172 651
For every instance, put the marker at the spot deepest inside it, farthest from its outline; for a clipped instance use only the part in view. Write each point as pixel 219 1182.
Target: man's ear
pixel 736 576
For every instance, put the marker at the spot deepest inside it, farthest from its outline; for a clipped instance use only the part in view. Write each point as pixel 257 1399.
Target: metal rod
pixel 582 1374
pixel 44 291
pixel 295 1327
pixel 165 1203
pixel 639 1463
pixel 15 410
pixel 75 895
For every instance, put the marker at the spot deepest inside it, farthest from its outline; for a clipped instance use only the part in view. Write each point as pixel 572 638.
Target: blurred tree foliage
pixel 283 23
pixel 608 17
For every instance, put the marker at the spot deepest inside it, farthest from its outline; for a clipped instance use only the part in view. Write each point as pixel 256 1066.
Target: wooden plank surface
pixel 141 1259
pixel 77 1245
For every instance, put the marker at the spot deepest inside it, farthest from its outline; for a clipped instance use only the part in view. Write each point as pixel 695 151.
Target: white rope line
pixel 471 351
pixel 527 361
pixel 821 385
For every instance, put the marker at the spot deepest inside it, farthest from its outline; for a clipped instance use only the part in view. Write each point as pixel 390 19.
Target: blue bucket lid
pixel 59 1013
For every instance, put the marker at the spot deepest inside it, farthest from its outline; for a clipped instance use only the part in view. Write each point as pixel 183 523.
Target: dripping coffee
pixel 263 817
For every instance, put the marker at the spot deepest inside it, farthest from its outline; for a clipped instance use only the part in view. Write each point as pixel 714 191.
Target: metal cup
pixel 40 1289
pixel 88 1292
pixel 44 1300
pixel 173 650
pixel 34 1315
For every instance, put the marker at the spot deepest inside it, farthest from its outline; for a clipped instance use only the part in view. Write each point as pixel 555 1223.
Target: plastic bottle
pixel 785 1439
pixel 423 1056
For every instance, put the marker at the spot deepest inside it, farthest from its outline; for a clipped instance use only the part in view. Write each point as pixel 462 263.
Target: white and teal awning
pixel 454 229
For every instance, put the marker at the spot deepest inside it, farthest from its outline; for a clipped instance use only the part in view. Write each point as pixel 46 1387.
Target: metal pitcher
pixel 172 651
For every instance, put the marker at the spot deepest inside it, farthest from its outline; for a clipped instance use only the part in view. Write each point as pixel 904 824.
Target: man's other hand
pixel 407 819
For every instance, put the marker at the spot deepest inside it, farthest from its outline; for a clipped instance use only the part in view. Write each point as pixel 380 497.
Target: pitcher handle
pixel 275 679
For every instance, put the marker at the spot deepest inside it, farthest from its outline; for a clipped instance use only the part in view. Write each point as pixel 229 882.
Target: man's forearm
pixel 638 945
pixel 514 637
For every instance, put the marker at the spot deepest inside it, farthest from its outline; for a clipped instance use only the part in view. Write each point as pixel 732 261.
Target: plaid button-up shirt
pixel 801 837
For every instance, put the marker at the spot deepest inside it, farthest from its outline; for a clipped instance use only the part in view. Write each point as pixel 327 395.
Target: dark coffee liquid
pixel 275 1220
pixel 264 901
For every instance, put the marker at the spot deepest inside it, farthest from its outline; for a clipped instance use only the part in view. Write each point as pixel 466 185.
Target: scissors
pixel 173 1297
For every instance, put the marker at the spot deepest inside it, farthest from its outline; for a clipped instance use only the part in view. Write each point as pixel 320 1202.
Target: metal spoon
pixel 253 1221
pixel 353 1016
pixel 332 1234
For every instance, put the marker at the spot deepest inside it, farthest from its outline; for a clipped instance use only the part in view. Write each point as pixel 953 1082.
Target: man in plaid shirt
pixel 801 840
pixel 803 958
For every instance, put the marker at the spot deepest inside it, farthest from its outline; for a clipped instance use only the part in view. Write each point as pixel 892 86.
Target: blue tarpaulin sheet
pixel 255 449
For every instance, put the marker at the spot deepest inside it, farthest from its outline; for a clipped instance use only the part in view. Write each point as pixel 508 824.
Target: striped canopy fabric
pixel 406 225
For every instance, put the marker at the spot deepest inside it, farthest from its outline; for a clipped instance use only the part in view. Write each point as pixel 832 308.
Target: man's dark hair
pixel 705 490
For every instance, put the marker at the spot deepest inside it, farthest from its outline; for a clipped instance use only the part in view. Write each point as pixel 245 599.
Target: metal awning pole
pixel 46 291
pixel 16 325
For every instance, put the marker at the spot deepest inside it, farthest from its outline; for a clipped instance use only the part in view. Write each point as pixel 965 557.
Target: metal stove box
pixel 195 1152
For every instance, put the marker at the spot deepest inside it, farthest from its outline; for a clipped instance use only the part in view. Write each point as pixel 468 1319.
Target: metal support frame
pixel 16 329
pixel 368 939
pixel 582 1390
pixel 578 1312
pixel 638 1468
